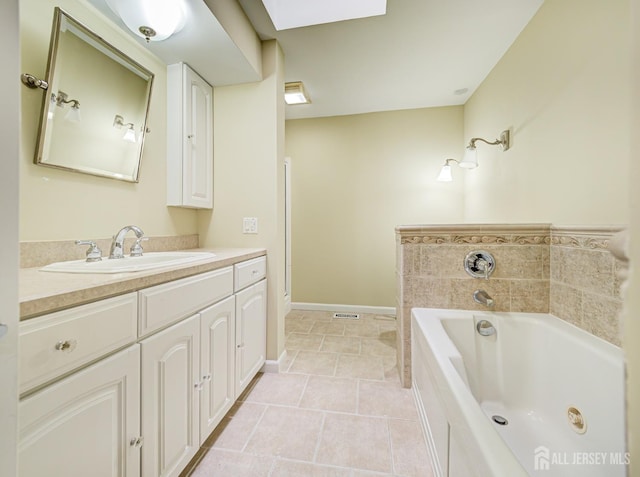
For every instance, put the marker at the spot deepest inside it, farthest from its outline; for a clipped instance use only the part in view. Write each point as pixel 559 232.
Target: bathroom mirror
pixel 94 112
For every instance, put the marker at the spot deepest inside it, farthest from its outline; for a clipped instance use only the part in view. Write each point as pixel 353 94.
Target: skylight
pixel 287 14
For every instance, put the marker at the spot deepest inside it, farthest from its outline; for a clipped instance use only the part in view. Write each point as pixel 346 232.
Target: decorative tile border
pixel 592 238
pixel 475 234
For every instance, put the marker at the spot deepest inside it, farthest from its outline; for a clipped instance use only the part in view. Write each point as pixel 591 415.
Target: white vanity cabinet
pixel 85 424
pixel 217 364
pixel 189 138
pixel 251 324
pixel 170 398
pixel 133 385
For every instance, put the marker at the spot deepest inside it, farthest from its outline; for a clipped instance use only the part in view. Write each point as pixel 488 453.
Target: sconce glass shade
pixel 470 159
pixel 445 174
pixel 154 20
pixel 73 114
pixel 129 134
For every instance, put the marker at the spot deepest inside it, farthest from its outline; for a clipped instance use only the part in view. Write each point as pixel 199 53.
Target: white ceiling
pixel 415 56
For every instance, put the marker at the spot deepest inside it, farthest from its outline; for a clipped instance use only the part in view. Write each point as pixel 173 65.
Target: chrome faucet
pixel 118 240
pixel 482 297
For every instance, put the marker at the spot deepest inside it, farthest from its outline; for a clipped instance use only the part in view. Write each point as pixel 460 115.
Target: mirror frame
pixel 58 17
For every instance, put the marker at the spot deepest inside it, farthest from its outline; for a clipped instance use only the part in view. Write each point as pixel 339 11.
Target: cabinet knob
pixel 66 345
pixel 136 442
pixel 190 136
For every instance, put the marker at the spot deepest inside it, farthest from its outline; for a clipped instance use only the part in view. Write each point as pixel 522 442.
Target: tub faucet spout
pixel 482 297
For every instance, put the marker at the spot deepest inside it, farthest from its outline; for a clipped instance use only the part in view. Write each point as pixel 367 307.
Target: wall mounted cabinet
pixel 189 139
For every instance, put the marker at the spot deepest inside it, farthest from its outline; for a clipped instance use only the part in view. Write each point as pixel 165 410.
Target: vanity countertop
pixel 44 292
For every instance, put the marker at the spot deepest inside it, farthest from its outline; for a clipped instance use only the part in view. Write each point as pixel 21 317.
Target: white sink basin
pixel 148 261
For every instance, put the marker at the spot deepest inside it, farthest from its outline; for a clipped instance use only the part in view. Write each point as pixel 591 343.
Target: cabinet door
pixel 189 138
pixel 217 362
pixel 198 145
pixel 170 395
pixel 84 424
pixel 251 333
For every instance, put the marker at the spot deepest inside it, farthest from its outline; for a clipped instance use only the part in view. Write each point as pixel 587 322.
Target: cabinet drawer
pixel 57 343
pixel 249 272
pixel 167 303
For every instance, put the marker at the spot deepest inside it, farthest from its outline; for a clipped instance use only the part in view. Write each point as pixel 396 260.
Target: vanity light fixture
pixel 294 93
pixel 61 99
pixel 129 134
pixel 470 159
pixel 153 20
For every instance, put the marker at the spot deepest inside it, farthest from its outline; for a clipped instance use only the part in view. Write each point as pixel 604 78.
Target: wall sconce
pixel 445 172
pixel 470 159
pixel 129 134
pixel 61 99
pixel 294 93
pixel 153 20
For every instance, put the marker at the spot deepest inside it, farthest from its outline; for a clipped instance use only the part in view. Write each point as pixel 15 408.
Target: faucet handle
pixel 136 248
pixel 94 254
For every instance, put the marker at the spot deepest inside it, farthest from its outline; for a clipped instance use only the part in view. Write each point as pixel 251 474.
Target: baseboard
pixel 376 310
pixel 272 365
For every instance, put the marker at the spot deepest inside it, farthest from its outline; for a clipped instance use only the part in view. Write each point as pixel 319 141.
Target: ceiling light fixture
pixel 470 159
pixel 294 93
pixel 153 20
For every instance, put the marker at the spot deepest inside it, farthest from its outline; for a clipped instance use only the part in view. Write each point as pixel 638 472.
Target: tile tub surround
pixel 337 409
pixel 540 268
pixel 585 280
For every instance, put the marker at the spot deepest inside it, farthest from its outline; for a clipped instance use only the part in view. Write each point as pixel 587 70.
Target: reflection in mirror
pixel 94 113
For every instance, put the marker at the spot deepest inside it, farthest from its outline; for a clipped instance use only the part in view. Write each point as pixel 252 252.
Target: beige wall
pixel 57 204
pixel 563 87
pixel 354 178
pixel 632 304
pixel 249 178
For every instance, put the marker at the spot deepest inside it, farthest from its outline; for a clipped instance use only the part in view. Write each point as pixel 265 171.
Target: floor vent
pixel 347 316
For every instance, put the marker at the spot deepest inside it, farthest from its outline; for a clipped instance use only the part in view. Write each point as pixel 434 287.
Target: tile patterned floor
pixel 337 411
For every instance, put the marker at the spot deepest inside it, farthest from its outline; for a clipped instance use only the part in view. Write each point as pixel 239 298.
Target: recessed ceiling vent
pixel 347 316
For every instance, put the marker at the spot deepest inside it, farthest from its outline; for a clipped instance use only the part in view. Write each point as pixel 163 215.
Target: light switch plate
pixel 250 225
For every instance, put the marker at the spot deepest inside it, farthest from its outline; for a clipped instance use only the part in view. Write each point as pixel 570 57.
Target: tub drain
pixel 500 420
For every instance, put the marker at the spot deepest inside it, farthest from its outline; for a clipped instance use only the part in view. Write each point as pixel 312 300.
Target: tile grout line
pixel 304 390
pixel 391 454
pixel 255 428
pixel 319 440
